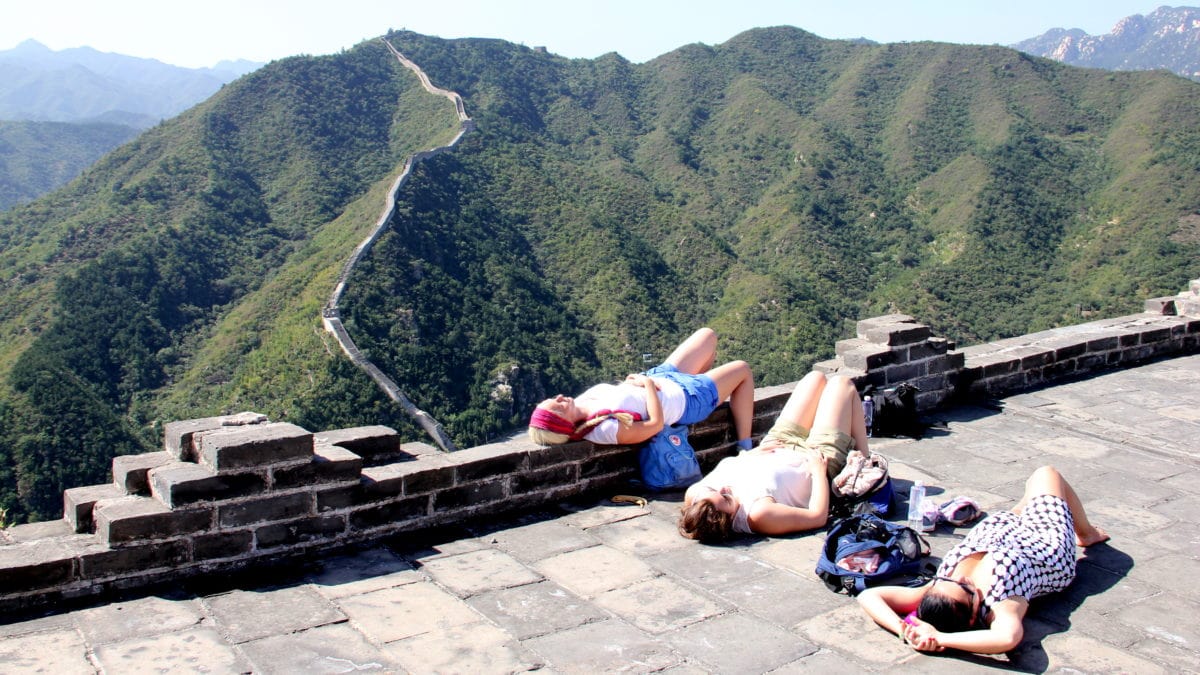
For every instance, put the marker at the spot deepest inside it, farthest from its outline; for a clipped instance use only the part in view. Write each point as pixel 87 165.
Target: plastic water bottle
pixel 869 412
pixel 916 496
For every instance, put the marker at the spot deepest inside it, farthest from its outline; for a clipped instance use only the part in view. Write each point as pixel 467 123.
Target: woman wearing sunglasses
pixel 983 587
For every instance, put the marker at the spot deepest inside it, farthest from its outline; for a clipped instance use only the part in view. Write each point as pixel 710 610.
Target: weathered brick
pixel 330 464
pixel 339 498
pixel 1034 358
pixel 300 532
pixel 550 455
pixel 539 480
pixel 1069 351
pixel 848 345
pixel 178 436
pixel 423 477
pixel 258 445
pixel 903 373
pixel 126 519
pixel 78 504
pixel 1162 306
pixel 265 509
pixel 470 495
pixel 1103 344
pixel 185 483
pixel 370 442
pixel 222 545
pixel 596 466
pixel 389 513
pixel 945 363
pixel 481 462
pixel 131 472
pixel 35 565
pixel 864 325
pixel 869 358
pixel 140 559
pixel 1155 334
pixel 897 334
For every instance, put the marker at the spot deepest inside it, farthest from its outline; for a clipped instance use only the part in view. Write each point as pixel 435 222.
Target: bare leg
pixel 735 382
pixel 696 354
pixel 836 409
pixel 801 406
pixel 1048 481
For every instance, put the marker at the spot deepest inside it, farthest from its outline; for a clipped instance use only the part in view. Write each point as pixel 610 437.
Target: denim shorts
pixel 700 392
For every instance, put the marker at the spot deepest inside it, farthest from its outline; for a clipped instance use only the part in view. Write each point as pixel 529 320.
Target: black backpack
pixel 895 411
pixel 897 549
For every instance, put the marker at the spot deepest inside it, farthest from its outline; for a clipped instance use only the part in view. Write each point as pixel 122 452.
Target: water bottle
pixel 916 496
pixel 868 412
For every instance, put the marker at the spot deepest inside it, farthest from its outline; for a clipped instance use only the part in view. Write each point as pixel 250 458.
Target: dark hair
pixel 945 613
pixel 704 522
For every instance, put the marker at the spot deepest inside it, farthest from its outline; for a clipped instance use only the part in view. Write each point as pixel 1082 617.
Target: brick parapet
pixel 234 492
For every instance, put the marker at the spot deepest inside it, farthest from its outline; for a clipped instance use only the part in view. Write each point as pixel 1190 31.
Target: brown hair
pixel 703 521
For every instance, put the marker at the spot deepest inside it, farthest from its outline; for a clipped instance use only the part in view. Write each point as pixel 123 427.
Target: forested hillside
pixel 36 157
pixel 776 187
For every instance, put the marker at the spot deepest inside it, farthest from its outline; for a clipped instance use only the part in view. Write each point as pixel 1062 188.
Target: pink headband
pixel 544 419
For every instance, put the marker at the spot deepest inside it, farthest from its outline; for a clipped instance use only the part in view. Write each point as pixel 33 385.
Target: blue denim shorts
pixel 699 391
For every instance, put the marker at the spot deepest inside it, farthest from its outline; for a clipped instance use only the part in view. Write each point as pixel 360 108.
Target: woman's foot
pixel 1095 536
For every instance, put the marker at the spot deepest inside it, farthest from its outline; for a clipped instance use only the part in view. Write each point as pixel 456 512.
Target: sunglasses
pixel 972 593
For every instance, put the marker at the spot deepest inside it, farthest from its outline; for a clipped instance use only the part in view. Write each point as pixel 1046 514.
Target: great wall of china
pixel 231 493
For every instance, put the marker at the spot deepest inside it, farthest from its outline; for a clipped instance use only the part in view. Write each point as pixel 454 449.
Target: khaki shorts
pixel 829 442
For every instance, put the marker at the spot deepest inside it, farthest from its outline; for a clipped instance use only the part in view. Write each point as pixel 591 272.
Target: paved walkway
pixel 597 587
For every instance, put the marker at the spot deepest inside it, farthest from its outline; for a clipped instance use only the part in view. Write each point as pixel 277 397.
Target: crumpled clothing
pixel 865 562
pixel 959 511
pixel 860 475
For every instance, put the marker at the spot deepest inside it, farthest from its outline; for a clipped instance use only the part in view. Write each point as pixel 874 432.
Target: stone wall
pixel 229 493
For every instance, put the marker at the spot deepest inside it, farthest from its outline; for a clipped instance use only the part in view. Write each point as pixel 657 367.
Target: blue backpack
pixel 874 551
pixel 668 461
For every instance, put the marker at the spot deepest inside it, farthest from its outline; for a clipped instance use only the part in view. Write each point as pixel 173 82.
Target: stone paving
pixel 599 587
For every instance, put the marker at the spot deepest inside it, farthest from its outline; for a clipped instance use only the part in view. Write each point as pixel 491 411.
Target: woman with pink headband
pixel 683 390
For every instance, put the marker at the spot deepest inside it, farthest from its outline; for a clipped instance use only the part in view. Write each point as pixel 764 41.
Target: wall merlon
pixel 329 464
pixel 369 442
pixel 79 504
pixel 183 483
pixel 130 519
pixel 131 473
pixel 260 445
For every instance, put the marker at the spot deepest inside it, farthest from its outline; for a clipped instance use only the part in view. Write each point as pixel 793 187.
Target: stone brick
pixel 35 565
pixel 945 363
pixel 265 509
pixel 486 461
pixel 178 436
pixel 78 504
pixel 470 495
pixel 185 483
pixel 1033 358
pixel 390 513
pixel 903 373
pixel 140 560
pixel 1069 350
pixel 131 472
pixel 869 358
pixel 259 445
pixel 532 481
pixel 126 519
pixel 828 367
pixel 864 325
pixel 549 455
pixel 370 442
pixel 300 532
pixel 1161 306
pixel 222 545
pixel 387 480
pixel 608 464
pixel 330 464
pixel 423 476
pixel 1155 334
pixel 848 345
pixel 1103 344
pixel 897 334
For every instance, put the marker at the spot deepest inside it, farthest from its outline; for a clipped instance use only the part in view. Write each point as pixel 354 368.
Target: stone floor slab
pixel 591 571
pixel 404 611
pixel 138 618
pixel 363 572
pixel 55 652
pixel 736 643
pixel 250 615
pixel 196 650
pixel 336 648
pixel 658 605
pixel 535 609
pixel 468 648
pixel 601 647
pixel 479 571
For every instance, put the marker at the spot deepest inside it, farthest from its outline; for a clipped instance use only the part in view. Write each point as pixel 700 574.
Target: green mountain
pixel 36 157
pixel 777 187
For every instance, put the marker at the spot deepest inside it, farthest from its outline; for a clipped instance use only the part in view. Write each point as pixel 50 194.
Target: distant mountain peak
pixel 1166 39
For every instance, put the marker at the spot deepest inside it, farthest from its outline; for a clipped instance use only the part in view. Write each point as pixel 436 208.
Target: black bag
pixel 874 551
pixel 895 411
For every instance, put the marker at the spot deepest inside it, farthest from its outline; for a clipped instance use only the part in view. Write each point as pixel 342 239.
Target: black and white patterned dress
pixel 1032 553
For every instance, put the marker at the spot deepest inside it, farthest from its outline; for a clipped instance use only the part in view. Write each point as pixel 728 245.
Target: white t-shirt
pixel 781 475
pixel 629 397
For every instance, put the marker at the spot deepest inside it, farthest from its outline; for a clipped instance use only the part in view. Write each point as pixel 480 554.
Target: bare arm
pixel 1003 635
pixel 886 605
pixel 644 429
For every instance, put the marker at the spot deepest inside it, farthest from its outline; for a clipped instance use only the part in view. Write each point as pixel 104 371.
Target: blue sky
pixel 196 33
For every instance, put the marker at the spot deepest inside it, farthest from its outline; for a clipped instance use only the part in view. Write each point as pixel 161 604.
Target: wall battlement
pixel 229 493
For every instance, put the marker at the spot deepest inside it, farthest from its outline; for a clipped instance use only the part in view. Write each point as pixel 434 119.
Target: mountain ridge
pixel 777 187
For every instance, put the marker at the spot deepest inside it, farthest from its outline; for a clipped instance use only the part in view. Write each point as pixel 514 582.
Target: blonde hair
pixel 544 437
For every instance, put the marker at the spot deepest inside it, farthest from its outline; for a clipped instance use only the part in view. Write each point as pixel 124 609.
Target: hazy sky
pixel 196 33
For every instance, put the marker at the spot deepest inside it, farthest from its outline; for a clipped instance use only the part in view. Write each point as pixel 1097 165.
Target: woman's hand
pixel 640 380
pixel 920 636
pixel 818 463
